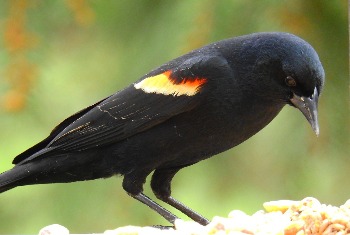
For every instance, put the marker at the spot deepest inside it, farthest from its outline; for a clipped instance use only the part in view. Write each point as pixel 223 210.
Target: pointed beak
pixel 308 106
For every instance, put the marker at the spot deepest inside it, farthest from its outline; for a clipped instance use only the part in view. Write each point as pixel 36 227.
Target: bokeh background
pixel 59 56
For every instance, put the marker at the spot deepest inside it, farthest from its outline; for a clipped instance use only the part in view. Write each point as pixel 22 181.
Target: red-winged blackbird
pixel 187 110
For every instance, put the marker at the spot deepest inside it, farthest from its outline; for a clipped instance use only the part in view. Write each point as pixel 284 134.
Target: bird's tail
pixel 5 188
pixel 13 178
pixel 6 181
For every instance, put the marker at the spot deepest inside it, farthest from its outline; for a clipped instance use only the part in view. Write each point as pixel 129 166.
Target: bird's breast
pixel 207 131
pixel 195 135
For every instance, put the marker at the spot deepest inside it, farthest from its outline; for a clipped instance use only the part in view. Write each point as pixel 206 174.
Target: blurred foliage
pixel 59 56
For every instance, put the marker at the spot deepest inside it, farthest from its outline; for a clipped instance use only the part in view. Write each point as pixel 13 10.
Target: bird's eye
pixel 290 81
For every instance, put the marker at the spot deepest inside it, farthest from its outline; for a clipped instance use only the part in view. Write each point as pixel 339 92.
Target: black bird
pixel 185 111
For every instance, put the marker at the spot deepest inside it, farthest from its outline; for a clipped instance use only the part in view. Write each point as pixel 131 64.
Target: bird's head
pixel 295 70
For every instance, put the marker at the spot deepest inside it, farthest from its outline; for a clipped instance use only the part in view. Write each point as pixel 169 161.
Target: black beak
pixel 308 106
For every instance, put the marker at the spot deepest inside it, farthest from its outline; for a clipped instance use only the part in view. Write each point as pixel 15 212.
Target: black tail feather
pixel 5 188
pixel 13 178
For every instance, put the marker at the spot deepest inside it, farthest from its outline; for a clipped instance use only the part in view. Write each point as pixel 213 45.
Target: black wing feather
pixel 59 128
pixel 127 112
pixel 122 115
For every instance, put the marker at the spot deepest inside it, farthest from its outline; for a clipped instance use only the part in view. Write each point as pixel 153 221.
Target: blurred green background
pixel 58 57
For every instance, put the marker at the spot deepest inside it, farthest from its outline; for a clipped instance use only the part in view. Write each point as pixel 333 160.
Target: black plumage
pixel 185 111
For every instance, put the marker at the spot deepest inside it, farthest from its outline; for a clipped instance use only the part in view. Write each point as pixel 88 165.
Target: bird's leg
pixel 160 184
pixel 155 206
pixel 132 184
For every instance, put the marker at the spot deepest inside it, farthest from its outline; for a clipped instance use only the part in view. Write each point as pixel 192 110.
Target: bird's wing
pixel 43 144
pixel 158 96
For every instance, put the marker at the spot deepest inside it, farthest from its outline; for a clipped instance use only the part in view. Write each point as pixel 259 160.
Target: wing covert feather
pixel 167 91
pixel 120 116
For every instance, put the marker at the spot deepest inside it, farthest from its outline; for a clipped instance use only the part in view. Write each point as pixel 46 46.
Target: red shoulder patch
pixel 164 84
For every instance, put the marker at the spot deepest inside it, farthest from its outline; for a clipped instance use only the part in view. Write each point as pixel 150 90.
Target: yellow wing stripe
pixel 163 84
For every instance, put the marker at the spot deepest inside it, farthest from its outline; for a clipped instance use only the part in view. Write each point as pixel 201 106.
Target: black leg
pixel 155 206
pixel 132 184
pixel 160 184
